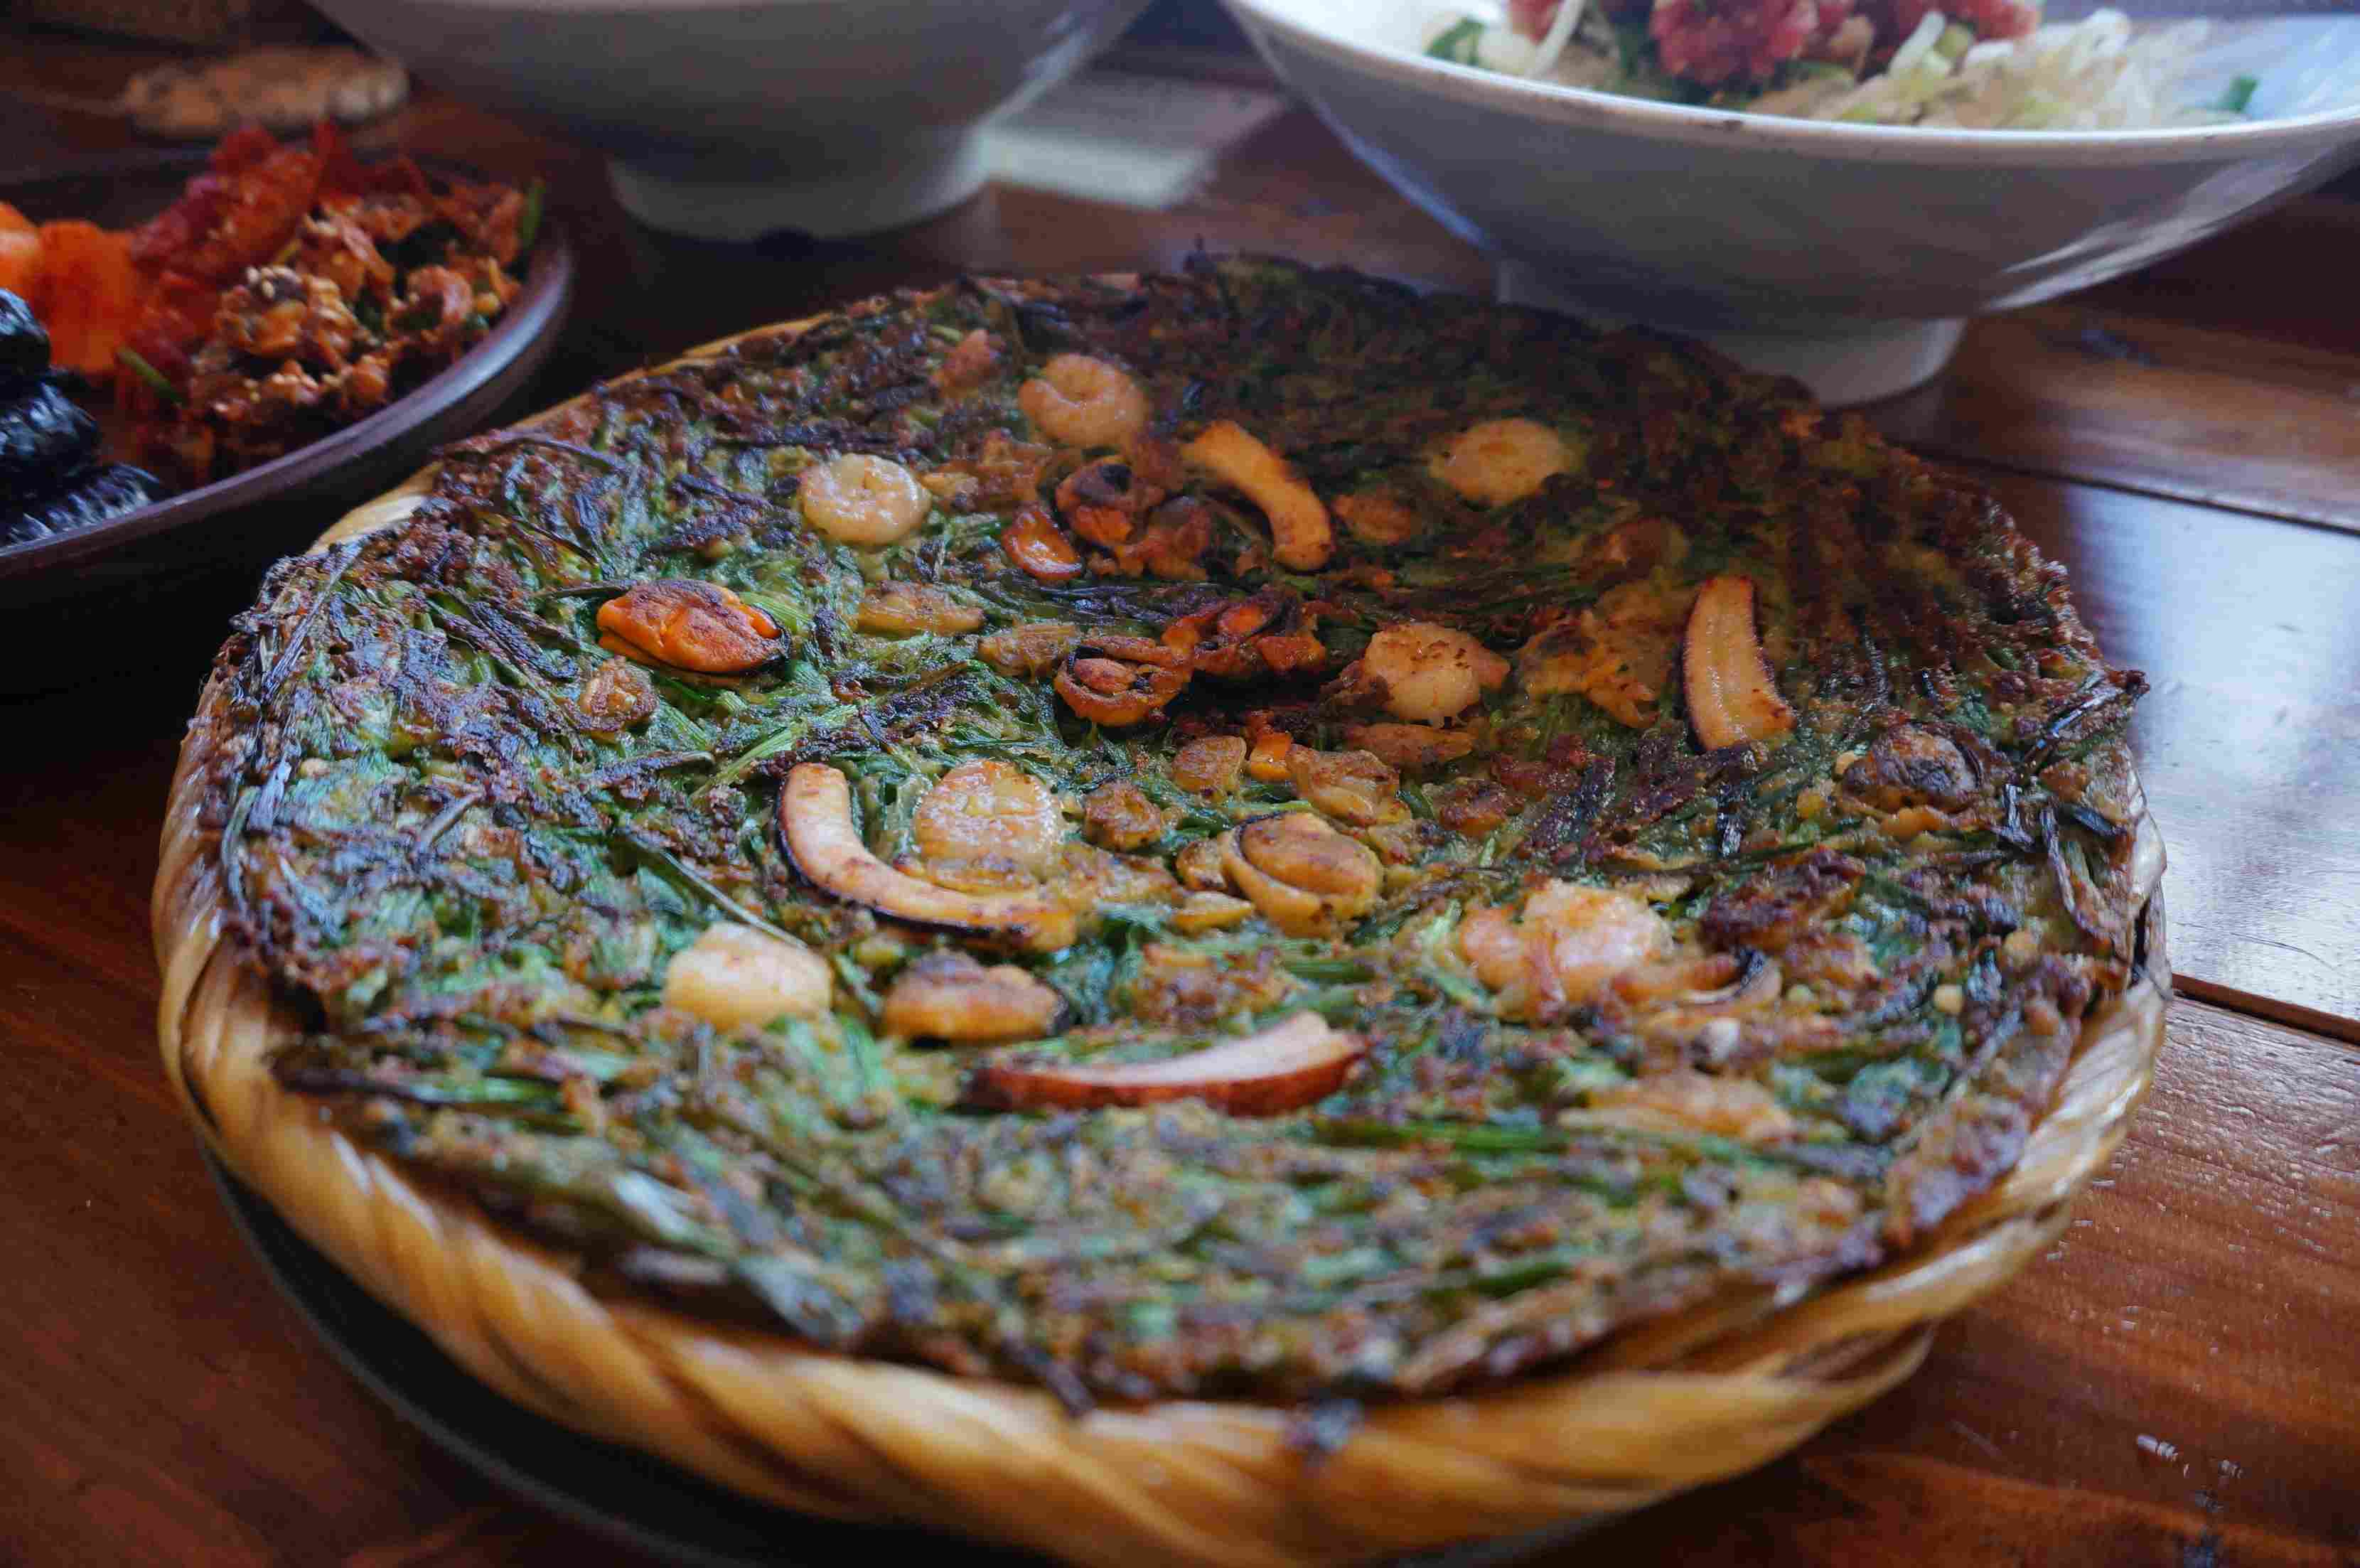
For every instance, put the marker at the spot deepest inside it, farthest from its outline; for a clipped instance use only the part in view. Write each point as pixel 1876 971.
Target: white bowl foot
pixel 911 182
pixel 1843 362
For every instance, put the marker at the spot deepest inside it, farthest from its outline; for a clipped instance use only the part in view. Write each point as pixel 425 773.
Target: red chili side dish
pixel 295 289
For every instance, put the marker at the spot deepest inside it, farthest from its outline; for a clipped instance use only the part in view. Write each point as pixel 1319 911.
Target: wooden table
pixel 2177 1383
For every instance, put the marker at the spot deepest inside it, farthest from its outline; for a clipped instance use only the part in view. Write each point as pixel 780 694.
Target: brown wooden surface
pixel 2178 1384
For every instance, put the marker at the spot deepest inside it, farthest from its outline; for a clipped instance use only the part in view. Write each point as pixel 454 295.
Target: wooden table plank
pixel 2204 1299
pixel 2249 630
pixel 2151 404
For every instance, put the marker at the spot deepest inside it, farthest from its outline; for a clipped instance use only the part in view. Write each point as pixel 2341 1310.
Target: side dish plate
pixel 242 523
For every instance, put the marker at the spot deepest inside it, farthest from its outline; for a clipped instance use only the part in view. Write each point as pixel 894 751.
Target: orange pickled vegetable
pixel 90 297
pixel 20 253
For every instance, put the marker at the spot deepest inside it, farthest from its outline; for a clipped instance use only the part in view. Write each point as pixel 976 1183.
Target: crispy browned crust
pixel 1678 1402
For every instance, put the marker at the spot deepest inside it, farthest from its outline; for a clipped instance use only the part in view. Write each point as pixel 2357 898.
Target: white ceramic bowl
pixel 726 119
pixel 1845 254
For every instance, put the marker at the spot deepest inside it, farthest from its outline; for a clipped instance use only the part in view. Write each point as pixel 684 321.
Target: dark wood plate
pixel 207 546
pixel 620 1493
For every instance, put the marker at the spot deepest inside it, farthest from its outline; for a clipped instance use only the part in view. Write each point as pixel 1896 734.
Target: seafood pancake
pixel 1237 837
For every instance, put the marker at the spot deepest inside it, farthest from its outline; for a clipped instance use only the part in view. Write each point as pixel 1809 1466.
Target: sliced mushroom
pixel 1284 1068
pixel 734 976
pixel 949 996
pixel 815 817
pixel 689 624
pixel 1301 536
pixel 1732 698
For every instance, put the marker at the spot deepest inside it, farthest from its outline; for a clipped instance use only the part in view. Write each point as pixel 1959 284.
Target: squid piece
pixel 1301 536
pixel 1284 1068
pixel 815 818
pixel 1732 697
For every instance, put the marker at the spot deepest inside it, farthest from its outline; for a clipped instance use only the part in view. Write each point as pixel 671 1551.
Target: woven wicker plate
pixel 1674 1403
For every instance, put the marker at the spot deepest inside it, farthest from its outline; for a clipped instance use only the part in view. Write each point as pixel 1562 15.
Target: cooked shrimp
pixel 734 976
pixel 1570 941
pixel 1301 536
pixel 987 807
pixel 1080 401
pixel 855 498
pixel 948 995
pixel 1500 460
pixel 1430 673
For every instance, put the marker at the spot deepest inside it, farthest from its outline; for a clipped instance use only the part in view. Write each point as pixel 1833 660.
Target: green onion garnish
pixel 146 372
pixel 528 221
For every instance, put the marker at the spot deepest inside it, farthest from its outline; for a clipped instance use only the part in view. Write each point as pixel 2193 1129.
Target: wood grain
pixel 2194 412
